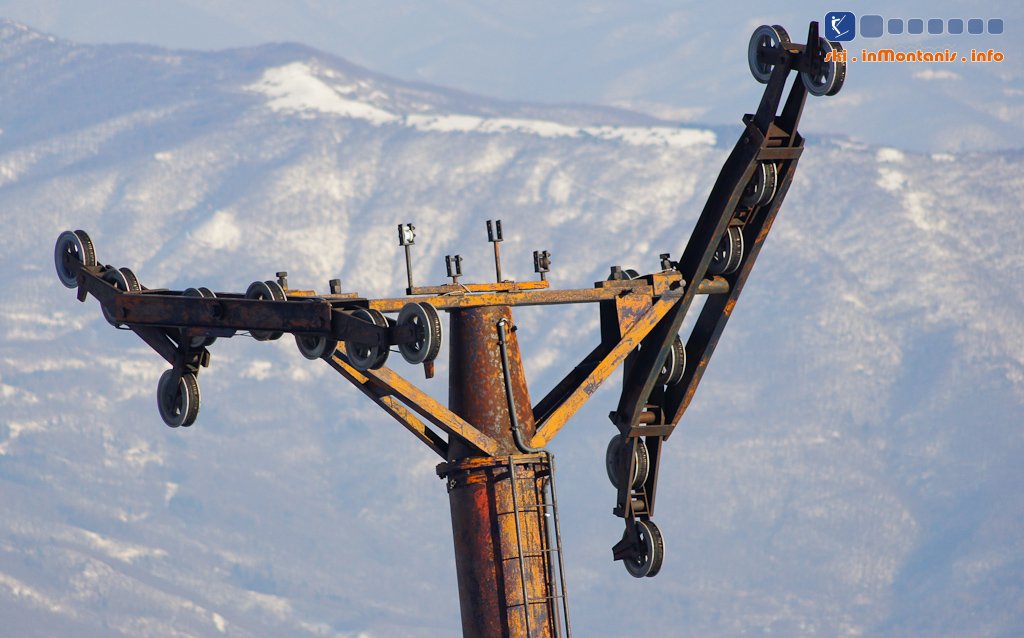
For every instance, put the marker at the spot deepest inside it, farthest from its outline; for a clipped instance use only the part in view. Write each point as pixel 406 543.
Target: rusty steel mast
pixel 491 436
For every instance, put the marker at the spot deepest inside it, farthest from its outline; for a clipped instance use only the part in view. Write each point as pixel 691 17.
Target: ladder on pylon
pixel 546 506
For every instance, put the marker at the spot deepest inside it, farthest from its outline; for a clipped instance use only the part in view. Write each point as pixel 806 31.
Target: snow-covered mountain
pixel 851 464
pixel 671 58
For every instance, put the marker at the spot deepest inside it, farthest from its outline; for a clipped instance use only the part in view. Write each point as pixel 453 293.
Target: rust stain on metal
pixel 480 494
pixel 477 387
pixel 388 382
pixel 237 314
pixel 391 405
pixel 525 298
pixel 504 286
pixel 630 308
pixel 557 420
pixel 713 286
pixel 487 561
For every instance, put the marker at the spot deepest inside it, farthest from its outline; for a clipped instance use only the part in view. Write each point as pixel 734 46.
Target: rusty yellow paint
pixel 527 293
pixel 418 428
pixel 547 429
pixel 525 298
pixel 392 406
pixel 478 462
pixel 312 293
pixel 690 390
pixel 503 546
pixel 713 286
pixel 629 308
pixel 504 286
pixel 387 382
pixel 665 281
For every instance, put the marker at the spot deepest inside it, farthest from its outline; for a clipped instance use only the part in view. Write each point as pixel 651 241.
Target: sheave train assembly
pixel 499 477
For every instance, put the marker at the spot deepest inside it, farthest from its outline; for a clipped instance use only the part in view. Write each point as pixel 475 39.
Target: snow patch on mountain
pixel 22 592
pixel 16 428
pixel 295 88
pixel 298 88
pixel 119 550
pixel 220 232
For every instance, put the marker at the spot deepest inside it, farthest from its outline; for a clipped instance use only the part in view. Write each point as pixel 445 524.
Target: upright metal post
pixel 493 572
pixel 494 236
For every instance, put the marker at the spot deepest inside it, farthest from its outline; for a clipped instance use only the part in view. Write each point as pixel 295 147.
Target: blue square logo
pixel 840 26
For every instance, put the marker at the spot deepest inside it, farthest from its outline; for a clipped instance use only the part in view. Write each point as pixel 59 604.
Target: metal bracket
pixel 541 263
pixel 453 264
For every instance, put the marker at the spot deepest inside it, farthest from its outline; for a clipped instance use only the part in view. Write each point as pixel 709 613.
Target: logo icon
pixel 840 26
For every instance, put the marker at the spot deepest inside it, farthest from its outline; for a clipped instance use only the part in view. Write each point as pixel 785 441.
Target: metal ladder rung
pixel 525 508
pixel 539 553
pixel 520 510
pixel 559 575
pixel 538 601
pixel 543 599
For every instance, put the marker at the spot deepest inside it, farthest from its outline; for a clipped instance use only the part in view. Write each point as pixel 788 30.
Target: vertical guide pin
pixel 406 238
pixel 494 236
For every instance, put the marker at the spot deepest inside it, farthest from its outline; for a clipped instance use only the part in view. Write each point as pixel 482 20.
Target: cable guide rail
pixel 641 315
